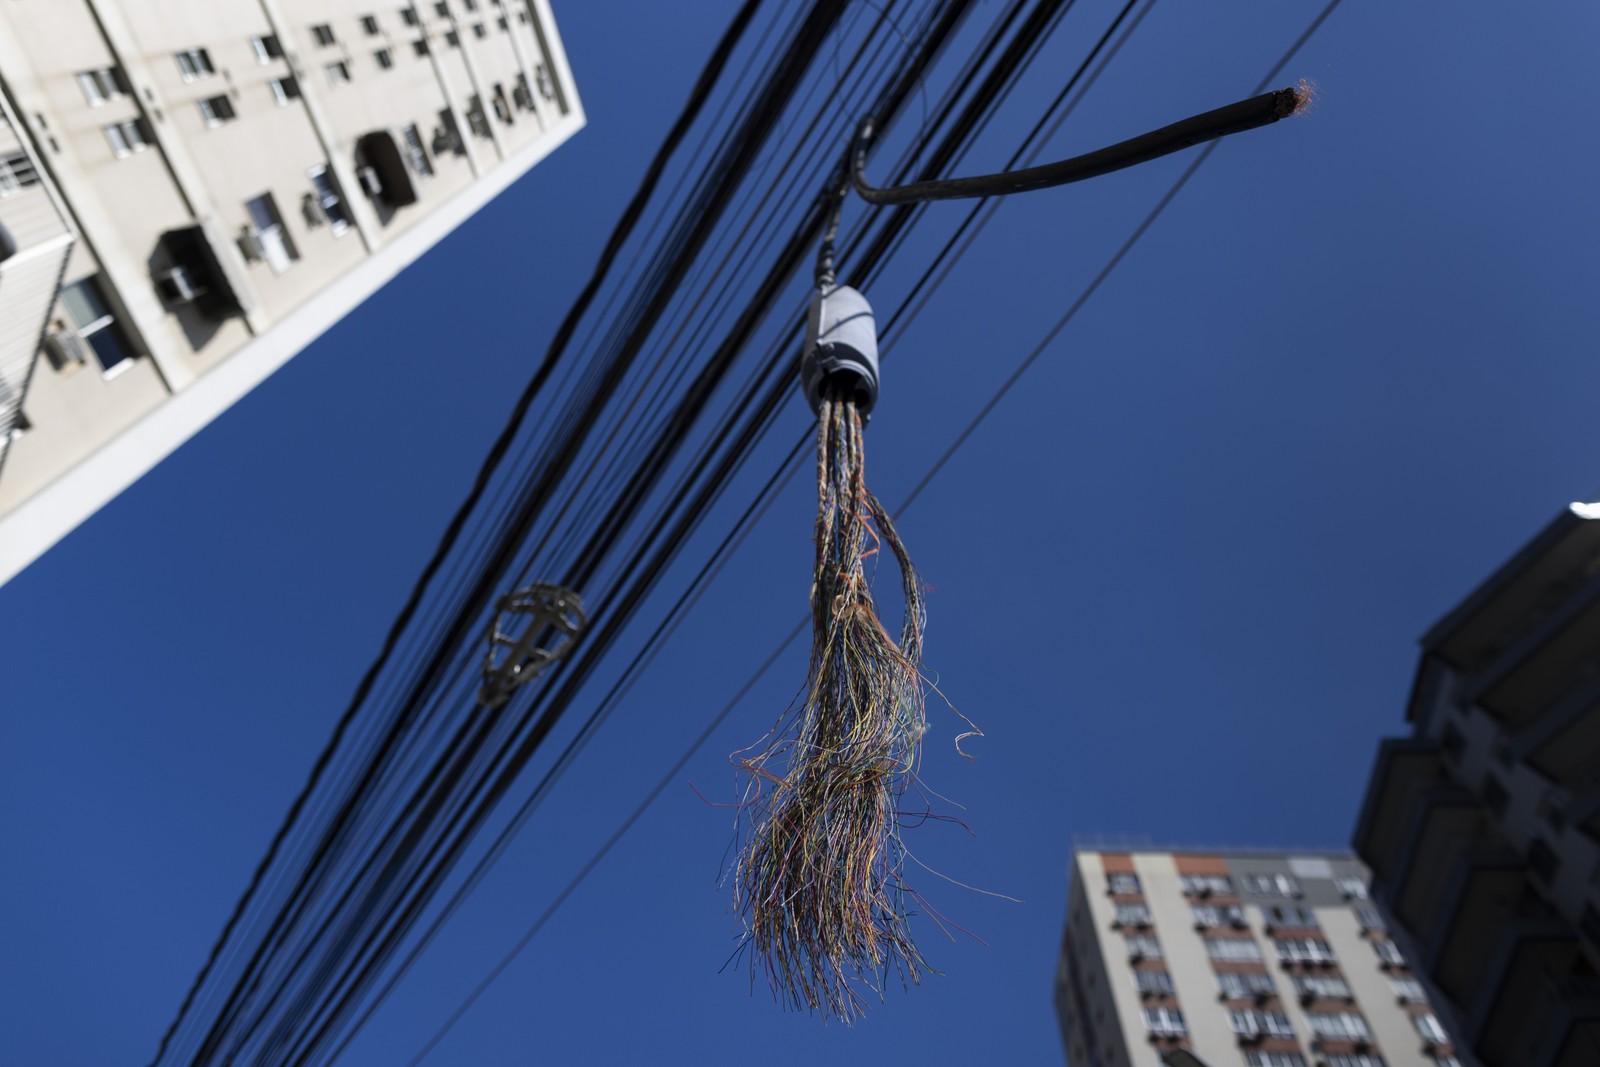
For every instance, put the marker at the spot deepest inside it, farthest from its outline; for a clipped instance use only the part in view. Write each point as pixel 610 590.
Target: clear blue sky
pixel 1177 577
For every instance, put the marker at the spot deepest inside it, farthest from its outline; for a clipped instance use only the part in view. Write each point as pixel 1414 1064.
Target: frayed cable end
pixel 1296 99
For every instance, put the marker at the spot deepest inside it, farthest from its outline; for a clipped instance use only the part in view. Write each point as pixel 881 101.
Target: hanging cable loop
pixel 1234 118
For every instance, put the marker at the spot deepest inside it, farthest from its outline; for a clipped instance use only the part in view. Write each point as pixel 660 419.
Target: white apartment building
pixel 193 190
pixel 1240 960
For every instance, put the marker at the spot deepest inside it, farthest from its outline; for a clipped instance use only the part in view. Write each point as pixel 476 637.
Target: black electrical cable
pixel 698 95
pixel 1245 115
pixel 661 785
pixel 563 760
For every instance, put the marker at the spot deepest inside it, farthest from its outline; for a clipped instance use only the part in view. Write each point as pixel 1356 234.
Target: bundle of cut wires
pixel 819 878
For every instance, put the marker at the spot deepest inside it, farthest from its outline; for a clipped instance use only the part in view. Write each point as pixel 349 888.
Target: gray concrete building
pixel 1482 828
pixel 1243 959
pixel 193 190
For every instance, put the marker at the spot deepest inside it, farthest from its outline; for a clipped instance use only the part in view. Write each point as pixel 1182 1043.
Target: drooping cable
pixel 526 938
pixel 1220 122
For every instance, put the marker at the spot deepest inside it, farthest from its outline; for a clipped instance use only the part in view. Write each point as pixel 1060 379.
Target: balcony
pixel 1539 1014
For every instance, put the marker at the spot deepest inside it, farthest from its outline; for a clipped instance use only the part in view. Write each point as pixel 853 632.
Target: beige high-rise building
pixel 193 190
pixel 1240 959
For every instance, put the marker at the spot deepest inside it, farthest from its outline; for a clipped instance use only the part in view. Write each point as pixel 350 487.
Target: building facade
pixel 1483 827
pixel 213 183
pixel 1242 959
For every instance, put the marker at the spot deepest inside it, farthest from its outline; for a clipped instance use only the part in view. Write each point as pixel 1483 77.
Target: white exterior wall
pixel 92 434
pixel 1210 1035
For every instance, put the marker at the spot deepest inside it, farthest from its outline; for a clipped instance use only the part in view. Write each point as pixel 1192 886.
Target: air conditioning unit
pixel 177 285
pixel 65 348
pixel 371 184
pixel 250 244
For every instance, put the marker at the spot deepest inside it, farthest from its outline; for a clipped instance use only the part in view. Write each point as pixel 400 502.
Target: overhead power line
pixel 526 938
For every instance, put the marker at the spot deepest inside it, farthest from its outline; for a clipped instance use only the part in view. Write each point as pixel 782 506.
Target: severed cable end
pixel 1296 100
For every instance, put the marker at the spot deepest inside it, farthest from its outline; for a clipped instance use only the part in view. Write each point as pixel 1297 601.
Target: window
pixel 420 46
pixel 1152 983
pixel 417 155
pixel 1217 915
pixel 1303 950
pixel 1120 882
pixel 93 321
pixel 16 172
pixel 328 199
pixel 1352 888
pixel 1543 862
pixel 126 138
pixel 323 35
pixel 1246 984
pixel 479 30
pixel 1232 948
pixel 1166 1022
pixel 100 85
pixel 1143 947
pixel 1340 1025
pixel 1290 915
pixel 338 72
pixel 447 135
pixel 1356 1059
pixel 1495 797
pixel 452 38
pixel 1388 951
pixel 384 58
pixel 194 63
pixel 470 5
pixel 408 15
pixel 1274 1059
pixel 1132 915
pixel 477 121
pixel 270 240
pixel 1205 884
pixel 266 48
pixel 216 110
pixel 1320 987
pixel 1260 1024
pixel 1408 990
pixel 442 9
pixel 284 89
pixel 505 27
pixel 1272 885
pixel 369 25
pixel 1428 1026
pixel 1369 918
